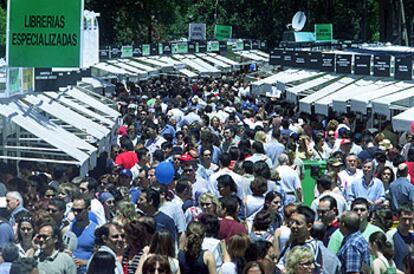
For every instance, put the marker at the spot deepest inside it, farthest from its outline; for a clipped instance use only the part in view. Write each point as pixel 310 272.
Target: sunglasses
pixel 206 204
pixel 77 210
pixel 188 170
pixel 44 237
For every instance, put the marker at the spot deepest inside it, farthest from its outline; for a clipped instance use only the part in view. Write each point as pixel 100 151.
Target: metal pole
pixel 404 23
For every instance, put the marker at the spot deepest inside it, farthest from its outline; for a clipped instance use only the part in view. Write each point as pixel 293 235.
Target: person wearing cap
pixel 345 146
pixel 367 187
pixel 189 169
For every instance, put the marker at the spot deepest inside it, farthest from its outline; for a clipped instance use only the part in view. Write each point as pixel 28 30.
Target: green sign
pixel 44 33
pixel 174 48
pixel 160 49
pixel 182 48
pixel 14 81
pixel 213 46
pixel 323 32
pixel 239 45
pixel 222 32
pixel 146 50
pixel 127 51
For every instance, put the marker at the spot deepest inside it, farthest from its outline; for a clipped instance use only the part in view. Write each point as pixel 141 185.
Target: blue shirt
pixel 273 150
pixel 402 192
pixel 353 253
pixel 372 191
pixel 86 242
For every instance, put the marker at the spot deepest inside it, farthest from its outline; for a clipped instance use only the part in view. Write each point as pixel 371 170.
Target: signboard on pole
pixel 213 46
pixel 323 32
pixel 146 50
pixel 403 68
pixel 44 33
pixel 222 32
pixel 344 63
pixel 382 65
pixel 127 52
pixel 362 64
pixel 196 32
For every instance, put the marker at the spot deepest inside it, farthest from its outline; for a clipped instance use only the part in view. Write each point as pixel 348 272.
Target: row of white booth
pixel 320 93
pixel 70 127
pixel 188 65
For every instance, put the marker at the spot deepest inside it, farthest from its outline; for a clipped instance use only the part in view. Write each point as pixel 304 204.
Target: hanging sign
pixel 44 33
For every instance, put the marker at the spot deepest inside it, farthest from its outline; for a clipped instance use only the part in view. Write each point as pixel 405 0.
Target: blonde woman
pixel 300 260
pixel 125 213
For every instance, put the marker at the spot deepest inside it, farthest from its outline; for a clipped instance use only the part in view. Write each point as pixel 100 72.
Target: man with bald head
pixel 354 254
pixel 401 190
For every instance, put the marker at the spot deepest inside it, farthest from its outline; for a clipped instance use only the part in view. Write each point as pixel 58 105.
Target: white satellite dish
pixel 298 21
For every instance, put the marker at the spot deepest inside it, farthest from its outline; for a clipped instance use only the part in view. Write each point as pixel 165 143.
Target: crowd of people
pixel 204 177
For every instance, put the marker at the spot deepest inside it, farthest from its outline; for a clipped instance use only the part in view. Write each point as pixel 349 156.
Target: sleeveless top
pixel 389 269
pixel 190 267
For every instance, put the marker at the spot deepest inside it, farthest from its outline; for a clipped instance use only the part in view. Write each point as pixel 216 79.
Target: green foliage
pixel 3 23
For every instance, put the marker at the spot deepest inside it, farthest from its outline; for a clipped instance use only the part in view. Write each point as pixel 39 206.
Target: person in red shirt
pixel 127 158
pixel 229 225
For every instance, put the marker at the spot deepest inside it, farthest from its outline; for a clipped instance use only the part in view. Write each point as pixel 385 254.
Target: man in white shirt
pixel 289 180
pixel 351 173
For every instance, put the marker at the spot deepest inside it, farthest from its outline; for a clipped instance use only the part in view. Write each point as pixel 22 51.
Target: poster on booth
pixel 44 33
pixel 90 40
pixel 13 81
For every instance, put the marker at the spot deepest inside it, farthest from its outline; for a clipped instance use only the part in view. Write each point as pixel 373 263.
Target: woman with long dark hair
pixel 103 263
pixel 156 264
pixel 192 258
pixel 162 243
pixel 383 251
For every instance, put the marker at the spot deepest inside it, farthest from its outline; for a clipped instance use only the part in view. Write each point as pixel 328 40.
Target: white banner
pixel 90 42
pixel 196 32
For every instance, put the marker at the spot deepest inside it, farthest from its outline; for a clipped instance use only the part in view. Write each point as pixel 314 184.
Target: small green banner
pixel 239 45
pixel 323 32
pixel 146 50
pixel 213 46
pixel 174 48
pixel 222 32
pixel 44 33
pixel 160 49
pixel 127 51
pixel 182 48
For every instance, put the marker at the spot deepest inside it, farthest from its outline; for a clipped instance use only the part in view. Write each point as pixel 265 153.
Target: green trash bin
pixel 308 183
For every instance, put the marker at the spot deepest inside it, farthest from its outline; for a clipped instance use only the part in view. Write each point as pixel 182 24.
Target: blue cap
pixel 125 172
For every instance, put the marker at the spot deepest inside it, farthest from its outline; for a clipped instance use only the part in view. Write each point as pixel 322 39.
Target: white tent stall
pixel 340 104
pixel 252 56
pixel 217 63
pixel 322 105
pixel 397 101
pixel 28 135
pixel 361 102
pixel 307 88
pixel 402 122
pixel 152 71
pixel 305 104
pixel 280 80
pixel 235 65
pixel 69 119
pixel 164 66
